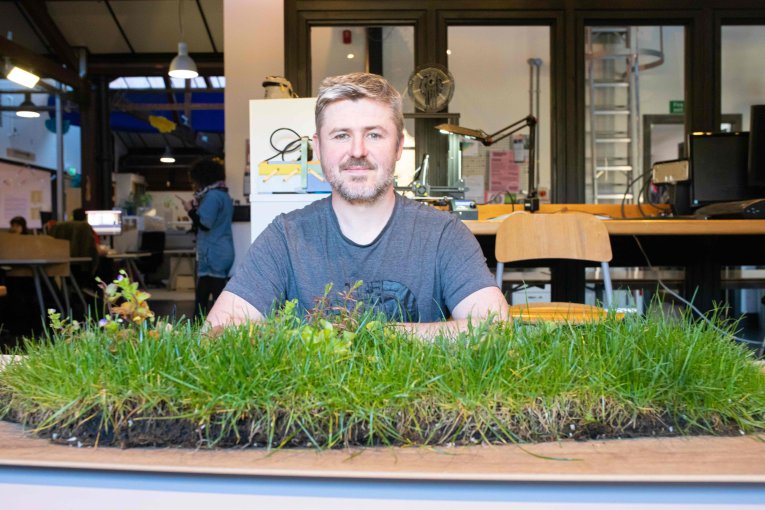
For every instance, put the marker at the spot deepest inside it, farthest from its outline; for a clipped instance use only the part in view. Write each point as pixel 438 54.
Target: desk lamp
pixel 532 200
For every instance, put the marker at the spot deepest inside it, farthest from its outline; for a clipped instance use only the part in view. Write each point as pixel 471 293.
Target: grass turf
pixel 288 382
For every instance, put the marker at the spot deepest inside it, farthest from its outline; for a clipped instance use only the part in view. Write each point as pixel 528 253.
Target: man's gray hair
pixel 356 86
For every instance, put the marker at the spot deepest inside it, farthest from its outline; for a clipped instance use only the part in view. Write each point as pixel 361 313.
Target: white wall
pixel 660 85
pixel 254 42
pixel 743 76
pixel 253 38
pixel 31 135
pixel 491 76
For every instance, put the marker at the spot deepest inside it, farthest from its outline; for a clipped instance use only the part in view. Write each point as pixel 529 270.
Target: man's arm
pixel 474 308
pixel 231 310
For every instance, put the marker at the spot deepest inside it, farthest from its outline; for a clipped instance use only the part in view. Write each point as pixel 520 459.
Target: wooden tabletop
pixel 629 219
pixel 652 227
pixel 683 459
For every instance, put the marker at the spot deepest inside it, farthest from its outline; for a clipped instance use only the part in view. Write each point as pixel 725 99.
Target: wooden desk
pixel 702 247
pixel 177 257
pixel 654 227
pixel 669 473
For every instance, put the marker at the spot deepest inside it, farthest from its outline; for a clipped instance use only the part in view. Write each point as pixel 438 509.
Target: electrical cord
pixel 291 146
pixel 641 193
pixel 692 307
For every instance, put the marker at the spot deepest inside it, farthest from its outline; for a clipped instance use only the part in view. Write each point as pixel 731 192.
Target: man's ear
pixel 316 148
pixel 400 147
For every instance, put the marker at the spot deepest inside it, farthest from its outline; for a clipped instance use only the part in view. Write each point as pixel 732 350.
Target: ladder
pixel 613 105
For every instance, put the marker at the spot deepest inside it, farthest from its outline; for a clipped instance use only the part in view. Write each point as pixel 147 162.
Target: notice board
pixel 23 192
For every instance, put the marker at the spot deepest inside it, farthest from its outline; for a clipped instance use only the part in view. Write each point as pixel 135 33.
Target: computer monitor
pixel 105 223
pixel 719 165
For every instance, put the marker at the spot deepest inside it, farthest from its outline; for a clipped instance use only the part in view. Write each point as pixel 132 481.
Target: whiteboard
pixel 23 192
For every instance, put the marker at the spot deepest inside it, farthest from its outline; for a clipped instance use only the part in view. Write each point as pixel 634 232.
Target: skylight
pixel 158 82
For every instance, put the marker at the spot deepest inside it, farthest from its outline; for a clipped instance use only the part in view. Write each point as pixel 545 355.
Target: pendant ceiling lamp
pixel 183 65
pixel 27 108
pixel 167 157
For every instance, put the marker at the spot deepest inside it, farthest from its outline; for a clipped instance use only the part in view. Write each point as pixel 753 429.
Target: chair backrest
pixel 79 234
pixel 573 235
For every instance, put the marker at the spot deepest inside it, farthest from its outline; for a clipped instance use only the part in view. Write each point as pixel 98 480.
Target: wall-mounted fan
pixel 431 87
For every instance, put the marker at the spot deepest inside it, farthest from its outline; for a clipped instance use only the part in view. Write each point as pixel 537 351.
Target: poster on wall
pixel 24 192
pixel 504 173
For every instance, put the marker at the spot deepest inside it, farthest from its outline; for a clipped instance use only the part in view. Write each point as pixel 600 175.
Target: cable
pixel 291 146
pixel 690 305
pixel 643 188
pixel 627 191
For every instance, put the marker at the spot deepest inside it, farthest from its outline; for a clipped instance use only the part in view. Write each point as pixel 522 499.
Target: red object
pixel 346 37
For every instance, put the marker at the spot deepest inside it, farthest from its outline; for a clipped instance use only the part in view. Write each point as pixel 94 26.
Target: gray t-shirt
pixel 423 263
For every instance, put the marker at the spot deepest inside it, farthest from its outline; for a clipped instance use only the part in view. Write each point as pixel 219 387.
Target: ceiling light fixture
pixel 22 77
pixel 27 108
pixel 167 157
pixel 183 65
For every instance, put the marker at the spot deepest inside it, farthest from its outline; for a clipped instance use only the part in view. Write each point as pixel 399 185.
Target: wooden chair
pixel 572 236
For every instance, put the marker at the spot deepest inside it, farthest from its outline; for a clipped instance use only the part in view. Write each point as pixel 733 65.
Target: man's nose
pixel 358 148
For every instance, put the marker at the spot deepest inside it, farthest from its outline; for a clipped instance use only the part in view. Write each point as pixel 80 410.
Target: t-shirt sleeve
pixel 262 277
pixel 463 267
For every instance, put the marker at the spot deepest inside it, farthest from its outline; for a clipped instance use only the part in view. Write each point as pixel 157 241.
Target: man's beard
pixel 367 194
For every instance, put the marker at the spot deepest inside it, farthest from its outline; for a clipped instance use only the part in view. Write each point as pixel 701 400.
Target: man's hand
pixel 230 310
pixel 476 307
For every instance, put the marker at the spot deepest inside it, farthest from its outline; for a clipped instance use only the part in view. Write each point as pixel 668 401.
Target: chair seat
pixel 559 312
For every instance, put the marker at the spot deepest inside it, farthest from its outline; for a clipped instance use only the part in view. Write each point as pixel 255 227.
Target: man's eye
pixel 375 136
pixel 340 136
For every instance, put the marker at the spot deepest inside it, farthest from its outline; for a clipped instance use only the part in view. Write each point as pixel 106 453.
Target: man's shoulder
pixel 423 212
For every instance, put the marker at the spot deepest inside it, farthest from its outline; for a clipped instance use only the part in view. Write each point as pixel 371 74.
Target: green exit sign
pixel 677 106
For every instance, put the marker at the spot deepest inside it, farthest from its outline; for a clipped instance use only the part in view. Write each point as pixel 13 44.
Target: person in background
pixel 415 264
pixel 19 225
pixel 211 211
pixel 79 214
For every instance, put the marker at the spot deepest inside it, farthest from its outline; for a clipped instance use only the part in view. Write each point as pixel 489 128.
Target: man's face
pixel 358 146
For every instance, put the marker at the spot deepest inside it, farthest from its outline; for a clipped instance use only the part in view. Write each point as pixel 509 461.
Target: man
pixel 418 265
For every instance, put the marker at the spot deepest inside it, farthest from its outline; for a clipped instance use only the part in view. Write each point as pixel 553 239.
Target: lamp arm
pixel 528 121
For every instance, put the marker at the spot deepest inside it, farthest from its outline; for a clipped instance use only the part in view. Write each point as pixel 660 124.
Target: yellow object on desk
pixel 575 313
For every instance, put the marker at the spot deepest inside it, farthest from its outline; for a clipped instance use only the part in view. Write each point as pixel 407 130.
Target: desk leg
pixel 65 291
pixel 50 288
pixel 134 273
pixel 703 286
pixel 79 294
pixel 38 291
pixel 567 278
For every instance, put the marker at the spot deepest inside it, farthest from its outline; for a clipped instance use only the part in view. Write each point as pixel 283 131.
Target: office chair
pixel 82 243
pixel 573 236
pixel 154 243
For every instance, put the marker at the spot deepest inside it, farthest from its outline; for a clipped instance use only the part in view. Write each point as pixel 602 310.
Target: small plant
pixel 126 303
pixel 65 327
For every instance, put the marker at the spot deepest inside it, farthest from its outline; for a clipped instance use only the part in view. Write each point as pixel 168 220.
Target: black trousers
pixel 207 291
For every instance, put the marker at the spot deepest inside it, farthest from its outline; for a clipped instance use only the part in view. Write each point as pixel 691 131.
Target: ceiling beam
pixel 38 13
pixel 135 107
pixel 150 64
pixel 207 27
pixel 40 65
pixel 119 26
